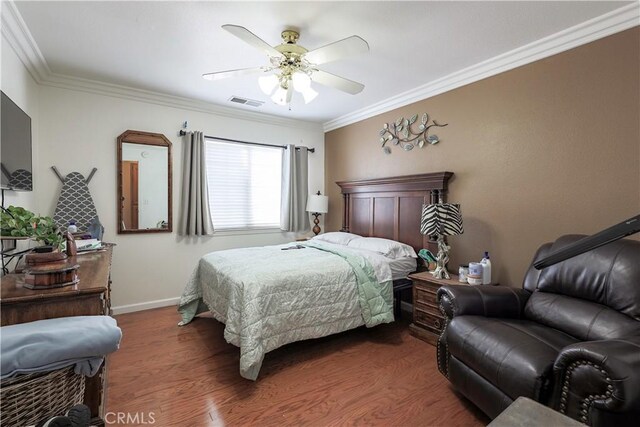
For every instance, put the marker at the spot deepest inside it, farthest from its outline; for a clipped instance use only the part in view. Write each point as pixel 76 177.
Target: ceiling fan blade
pixel 337 82
pixel 346 47
pixel 232 73
pixel 250 38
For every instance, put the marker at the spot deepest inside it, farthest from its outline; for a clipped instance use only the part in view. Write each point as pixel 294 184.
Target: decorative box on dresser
pixel 90 296
pixel 427 318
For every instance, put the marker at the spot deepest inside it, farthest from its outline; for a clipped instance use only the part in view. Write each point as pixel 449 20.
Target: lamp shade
pixel 317 203
pixel 268 83
pixel 309 94
pixel 441 218
pixel 301 81
pixel 280 96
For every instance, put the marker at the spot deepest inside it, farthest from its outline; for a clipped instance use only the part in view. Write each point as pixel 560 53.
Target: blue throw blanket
pixel 47 345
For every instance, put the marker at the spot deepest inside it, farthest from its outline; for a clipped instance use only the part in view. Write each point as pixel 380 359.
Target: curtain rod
pixel 237 141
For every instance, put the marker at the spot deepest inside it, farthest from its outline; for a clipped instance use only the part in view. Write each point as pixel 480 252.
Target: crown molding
pixel 17 34
pixel 602 26
pixel 151 97
pixel 15 31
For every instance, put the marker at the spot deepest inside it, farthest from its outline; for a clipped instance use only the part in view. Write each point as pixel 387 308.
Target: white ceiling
pixel 166 46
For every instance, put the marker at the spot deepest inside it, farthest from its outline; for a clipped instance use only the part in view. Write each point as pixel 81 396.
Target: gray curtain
pixel 195 216
pixel 295 188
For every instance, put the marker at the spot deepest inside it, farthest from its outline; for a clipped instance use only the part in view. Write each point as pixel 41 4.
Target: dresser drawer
pixel 427 286
pixel 424 295
pixel 428 320
pixel 428 307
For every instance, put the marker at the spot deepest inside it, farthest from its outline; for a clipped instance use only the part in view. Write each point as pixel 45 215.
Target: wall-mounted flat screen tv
pixel 15 147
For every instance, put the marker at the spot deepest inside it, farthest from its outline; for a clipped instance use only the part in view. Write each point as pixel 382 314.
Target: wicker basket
pixel 27 399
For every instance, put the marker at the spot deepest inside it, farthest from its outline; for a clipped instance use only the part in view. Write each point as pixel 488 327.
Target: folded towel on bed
pixel 47 345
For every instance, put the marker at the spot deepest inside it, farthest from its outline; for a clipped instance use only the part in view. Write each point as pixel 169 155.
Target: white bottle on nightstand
pixel 486 269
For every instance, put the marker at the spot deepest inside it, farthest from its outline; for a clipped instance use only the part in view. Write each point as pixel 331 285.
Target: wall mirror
pixel 144 183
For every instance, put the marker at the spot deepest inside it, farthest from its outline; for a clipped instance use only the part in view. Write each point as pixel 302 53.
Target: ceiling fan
pixel 292 67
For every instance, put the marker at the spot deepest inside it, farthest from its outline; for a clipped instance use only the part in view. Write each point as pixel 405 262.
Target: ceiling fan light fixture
pixel 268 83
pixel 301 81
pixel 292 66
pixel 280 96
pixel 308 94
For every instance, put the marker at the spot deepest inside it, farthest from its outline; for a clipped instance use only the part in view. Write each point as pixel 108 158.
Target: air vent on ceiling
pixel 245 101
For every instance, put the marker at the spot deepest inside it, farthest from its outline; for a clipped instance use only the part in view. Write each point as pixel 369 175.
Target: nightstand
pixel 427 318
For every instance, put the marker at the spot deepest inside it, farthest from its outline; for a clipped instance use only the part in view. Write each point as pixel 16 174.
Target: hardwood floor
pixel 188 376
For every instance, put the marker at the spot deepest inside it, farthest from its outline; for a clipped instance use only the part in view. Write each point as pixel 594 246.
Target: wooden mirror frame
pixel 145 138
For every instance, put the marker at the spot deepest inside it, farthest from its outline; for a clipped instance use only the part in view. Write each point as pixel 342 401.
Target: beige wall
pixel 546 149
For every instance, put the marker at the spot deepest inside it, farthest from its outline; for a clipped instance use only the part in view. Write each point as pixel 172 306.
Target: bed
pixel 271 296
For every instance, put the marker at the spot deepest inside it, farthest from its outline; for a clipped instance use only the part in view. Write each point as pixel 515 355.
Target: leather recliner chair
pixel 570 339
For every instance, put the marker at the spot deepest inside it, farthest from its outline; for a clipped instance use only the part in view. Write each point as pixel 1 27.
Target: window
pixel 244 185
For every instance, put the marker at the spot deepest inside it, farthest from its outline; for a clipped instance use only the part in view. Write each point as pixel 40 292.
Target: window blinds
pixel 244 185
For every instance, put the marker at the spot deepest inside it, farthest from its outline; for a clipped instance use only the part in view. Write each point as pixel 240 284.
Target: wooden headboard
pixel 391 207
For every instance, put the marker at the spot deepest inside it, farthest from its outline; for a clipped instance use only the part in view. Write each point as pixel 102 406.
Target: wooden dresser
pixel 427 318
pixel 91 296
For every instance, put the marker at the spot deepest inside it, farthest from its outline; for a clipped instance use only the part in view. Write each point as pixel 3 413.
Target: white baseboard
pixel 130 308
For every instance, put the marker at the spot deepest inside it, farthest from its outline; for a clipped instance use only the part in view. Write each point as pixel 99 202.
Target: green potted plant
pixel 20 222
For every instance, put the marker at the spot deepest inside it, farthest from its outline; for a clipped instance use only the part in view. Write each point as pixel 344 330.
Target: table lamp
pixel 441 219
pixel 317 205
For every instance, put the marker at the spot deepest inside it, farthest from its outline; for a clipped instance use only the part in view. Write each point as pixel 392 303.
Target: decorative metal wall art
pixel 401 133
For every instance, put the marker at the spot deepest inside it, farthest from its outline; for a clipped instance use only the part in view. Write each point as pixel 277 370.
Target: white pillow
pixel 337 237
pixel 386 247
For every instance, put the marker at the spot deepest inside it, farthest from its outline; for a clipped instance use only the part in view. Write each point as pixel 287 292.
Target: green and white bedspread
pixel 268 297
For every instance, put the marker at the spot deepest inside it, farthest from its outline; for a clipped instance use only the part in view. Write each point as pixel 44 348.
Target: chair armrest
pixel 601 374
pixel 489 301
